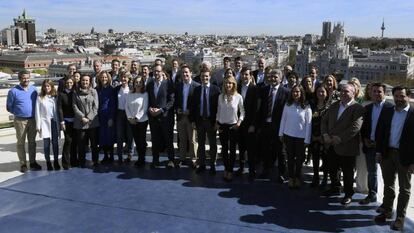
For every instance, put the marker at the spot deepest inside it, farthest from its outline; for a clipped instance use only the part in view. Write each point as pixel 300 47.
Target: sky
pixel 222 17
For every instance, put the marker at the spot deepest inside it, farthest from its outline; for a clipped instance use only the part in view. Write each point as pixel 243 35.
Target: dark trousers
pixel 69 150
pixel 390 167
pixel 139 131
pixel 161 136
pixel 295 148
pixel 55 143
pixel 123 133
pixel 247 142
pixel 228 140
pixel 272 149
pixel 205 128
pixel 318 153
pixel 86 136
pixel 372 172
pixel 347 164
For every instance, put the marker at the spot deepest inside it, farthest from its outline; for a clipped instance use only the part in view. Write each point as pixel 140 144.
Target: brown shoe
pixel 398 224
pixel 382 218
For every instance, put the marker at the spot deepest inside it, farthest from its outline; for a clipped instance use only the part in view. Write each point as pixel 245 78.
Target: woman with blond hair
pixel 106 115
pixel 47 122
pixel 332 87
pixel 230 114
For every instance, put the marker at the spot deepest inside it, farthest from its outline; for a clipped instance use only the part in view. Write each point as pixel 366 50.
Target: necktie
pixel 205 113
pixel 270 102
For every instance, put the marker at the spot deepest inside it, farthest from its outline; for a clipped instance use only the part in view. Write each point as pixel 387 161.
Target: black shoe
pixel 155 164
pixel 120 159
pixel 23 168
pixel 200 169
pixel 252 175
pixel 281 180
pixel 239 172
pixel 139 163
pixel 330 193
pixel 367 200
pixel 65 166
pixel 95 165
pixel 382 217
pixel 49 166
pixel 346 200
pixel 128 159
pixel 264 175
pixel 35 167
pixel 56 165
pixel 105 160
pixel 212 170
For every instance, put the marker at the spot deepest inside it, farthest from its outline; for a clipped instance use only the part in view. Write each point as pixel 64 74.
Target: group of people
pixel 271 116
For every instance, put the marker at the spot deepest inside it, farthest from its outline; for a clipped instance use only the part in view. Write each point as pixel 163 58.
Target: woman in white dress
pixel 46 122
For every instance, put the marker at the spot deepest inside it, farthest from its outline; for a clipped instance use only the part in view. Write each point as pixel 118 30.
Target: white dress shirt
pixel 296 122
pixel 376 111
pixel 227 112
pixel 137 106
pixel 397 125
pixel 343 107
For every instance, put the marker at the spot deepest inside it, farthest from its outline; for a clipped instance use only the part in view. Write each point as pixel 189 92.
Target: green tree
pixel 6 70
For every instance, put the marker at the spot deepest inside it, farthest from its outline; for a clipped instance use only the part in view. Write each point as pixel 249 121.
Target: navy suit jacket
pixel 164 98
pixel 281 98
pixel 366 125
pixel 383 133
pixel 250 104
pixel 196 104
pixel 179 96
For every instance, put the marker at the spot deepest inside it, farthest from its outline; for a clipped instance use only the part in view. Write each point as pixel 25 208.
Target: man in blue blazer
pixel 203 116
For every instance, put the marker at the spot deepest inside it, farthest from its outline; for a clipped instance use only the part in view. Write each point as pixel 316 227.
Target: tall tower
pixel 326 31
pixel 382 28
pixel 28 24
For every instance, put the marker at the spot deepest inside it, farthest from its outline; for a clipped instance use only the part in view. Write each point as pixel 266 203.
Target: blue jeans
pixel 372 173
pixel 55 143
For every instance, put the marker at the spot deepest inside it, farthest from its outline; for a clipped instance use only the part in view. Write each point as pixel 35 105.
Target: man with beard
pixel 395 150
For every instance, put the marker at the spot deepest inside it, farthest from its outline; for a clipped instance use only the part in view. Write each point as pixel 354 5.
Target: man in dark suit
pixel 259 74
pixel 115 67
pixel 174 73
pixel 186 133
pixel 373 114
pixel 160 111
pixel 219 74
pixel 203 116
pixel 340 129
pixel 238 66
pixel 395 149
pixel 272 102
pixel 247 136
pixel 71 69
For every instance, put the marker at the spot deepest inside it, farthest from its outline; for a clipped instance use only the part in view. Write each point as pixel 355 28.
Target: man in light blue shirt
pixel 21 101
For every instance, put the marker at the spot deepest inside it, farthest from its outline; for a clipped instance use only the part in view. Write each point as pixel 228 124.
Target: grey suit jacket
pixel 347 127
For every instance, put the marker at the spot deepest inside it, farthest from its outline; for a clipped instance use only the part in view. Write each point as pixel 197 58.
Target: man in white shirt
pixel 259 74
pixel 373 113
pixel 340 129
pixel 394 152
pixel 186 133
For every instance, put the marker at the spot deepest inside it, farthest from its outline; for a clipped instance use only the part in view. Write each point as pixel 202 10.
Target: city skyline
pixel 361 18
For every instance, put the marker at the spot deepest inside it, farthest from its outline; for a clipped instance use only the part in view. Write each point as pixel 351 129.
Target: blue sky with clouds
pixel 242 17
